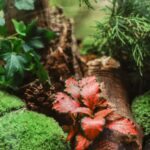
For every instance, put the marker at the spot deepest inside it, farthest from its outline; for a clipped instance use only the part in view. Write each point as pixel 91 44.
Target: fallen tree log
pixel 108 73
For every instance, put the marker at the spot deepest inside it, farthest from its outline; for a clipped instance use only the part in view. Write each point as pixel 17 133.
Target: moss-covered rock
pixel 21 129
pixel 25 130
pixel 9 103
pixel 141 111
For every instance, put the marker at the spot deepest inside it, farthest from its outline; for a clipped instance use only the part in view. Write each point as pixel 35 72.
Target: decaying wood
pixel 107 71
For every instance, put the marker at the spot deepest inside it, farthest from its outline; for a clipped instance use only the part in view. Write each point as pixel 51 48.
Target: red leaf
pixel 92 127
pixel 124 126
pixel 87 80
pixel 71 133
pixel 83 110
pixel 64 103
pixel 103 113
pixel 103 103
pixel 90 90
pixel 71 81
pixel 90 94
pixel 82 142
pixel 72 88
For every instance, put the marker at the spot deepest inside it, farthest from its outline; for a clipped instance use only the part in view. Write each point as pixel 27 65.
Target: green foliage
pixel 14 63
pixel 128 36
pixel 9 102
pixel 19 54
pixel 24 4
pixel 20 27
pixel 141 111
pixel 88 46
pixel 124 34
pixel 25 130
pixel 2 21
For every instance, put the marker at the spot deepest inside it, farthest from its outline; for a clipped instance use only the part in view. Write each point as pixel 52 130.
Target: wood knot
pixel 103 63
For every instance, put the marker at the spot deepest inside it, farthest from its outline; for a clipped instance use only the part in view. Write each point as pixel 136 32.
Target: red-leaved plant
pixel 90 113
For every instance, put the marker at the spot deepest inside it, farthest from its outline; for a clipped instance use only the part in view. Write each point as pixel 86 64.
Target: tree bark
pixel 108 73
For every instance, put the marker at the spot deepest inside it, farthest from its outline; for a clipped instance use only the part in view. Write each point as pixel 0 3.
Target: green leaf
pixel 49 35
pixel 40 70
pixel 2 21
pixel 5 46
pixel 46 33
pixel 14 64
pixel 25 4
pixel 31 27
pixel 26 47
pixel 20 27
pixel 36 43
pixel 43 74
pixel 16 44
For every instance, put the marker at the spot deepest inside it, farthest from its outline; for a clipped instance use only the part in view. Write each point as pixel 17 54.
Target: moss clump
pixel 25 130
pixel 141 111
pixel 9 102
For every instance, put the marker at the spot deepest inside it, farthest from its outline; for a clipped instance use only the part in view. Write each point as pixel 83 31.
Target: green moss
pixel 25 130
pixel 9 102
pixel 141 111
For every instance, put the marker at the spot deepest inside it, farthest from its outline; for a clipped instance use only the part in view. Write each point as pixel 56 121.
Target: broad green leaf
pixel 31 28
pixel 2 21
pixel 43 74
pixel 36 43
pixel 25 4
pixel 26 47
pixel 14 64
pixel 20 27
